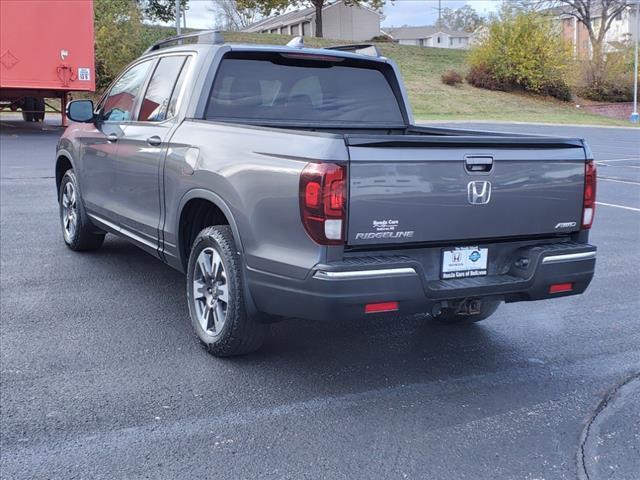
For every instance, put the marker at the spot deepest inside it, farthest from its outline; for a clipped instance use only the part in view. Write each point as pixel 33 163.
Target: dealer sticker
pixel 84 74
pixel 464 262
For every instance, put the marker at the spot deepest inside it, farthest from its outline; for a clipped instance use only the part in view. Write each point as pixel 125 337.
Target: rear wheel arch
pixel 200 209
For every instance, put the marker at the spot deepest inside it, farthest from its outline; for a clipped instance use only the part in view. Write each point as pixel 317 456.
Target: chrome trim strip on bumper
pixel 569 257
pixel 386 272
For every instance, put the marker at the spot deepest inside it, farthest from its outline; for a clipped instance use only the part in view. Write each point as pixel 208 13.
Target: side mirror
pixel 80 111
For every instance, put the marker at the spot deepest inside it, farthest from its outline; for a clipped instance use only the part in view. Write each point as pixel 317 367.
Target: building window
pixel 438 39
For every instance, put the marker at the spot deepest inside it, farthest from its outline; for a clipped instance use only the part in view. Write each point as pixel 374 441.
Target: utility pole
pixel 439 24
pixel 178 29
pixel 634 115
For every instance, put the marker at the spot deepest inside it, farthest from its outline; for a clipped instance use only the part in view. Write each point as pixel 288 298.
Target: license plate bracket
pixel 464 262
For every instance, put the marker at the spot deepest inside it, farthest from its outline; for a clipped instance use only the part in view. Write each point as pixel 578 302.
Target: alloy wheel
pixel 210 291
pixel 69 211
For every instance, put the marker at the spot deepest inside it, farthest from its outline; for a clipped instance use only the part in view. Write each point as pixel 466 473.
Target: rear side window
pixel 156 103
pixel 119 104
pixel 177 90
pixel 283 89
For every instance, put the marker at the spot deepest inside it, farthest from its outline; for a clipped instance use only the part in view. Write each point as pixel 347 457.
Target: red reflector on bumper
pixel 381 307
pixel 560 287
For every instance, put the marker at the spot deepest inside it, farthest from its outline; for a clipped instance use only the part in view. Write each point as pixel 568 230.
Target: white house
pixel 339 21
pixel 437 37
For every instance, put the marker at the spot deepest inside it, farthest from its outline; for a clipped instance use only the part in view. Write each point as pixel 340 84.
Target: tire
pixel 28 106
pixel 77 231
pixel 39 108
pixel 450 316
pixel 215 293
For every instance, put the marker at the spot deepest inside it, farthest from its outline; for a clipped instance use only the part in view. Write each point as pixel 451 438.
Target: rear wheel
pixel 454 315
pixel 28 107
pixel 39 108
pixel 77 230
pixel 216 296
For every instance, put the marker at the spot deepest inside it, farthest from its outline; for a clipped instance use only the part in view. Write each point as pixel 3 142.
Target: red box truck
pixel 46 51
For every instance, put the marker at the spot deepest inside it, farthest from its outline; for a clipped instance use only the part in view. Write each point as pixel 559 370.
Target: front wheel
pixel 77 230
pixel 453 316
pixel 216 296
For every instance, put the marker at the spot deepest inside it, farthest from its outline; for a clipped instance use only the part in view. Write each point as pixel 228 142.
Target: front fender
pixel 62 154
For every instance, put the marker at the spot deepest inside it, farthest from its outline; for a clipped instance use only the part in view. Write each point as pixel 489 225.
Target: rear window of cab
pixel 303 88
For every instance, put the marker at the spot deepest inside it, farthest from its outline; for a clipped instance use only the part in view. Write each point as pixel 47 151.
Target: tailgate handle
pixel 478 163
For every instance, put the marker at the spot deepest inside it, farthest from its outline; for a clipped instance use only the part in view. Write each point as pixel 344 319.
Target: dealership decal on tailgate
pixel 464 262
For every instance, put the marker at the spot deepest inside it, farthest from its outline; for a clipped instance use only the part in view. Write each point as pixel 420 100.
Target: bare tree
pixel 596 15
pixel 464 18
pixel 231 15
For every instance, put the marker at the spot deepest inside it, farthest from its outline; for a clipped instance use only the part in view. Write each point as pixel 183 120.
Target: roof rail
pixel 360 48
pixel 212 37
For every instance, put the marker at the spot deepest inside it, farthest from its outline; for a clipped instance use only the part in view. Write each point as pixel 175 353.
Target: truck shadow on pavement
pixel 370 352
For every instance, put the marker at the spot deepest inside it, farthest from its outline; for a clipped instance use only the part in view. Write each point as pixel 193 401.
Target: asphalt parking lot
pixel 101 376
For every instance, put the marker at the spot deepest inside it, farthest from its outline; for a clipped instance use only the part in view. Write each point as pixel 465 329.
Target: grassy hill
pixel 432 100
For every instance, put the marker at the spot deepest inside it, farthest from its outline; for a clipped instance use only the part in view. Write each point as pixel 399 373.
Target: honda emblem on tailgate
pixel 478 192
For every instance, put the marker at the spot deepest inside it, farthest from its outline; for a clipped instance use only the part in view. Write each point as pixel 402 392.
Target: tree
pixel 464 19
pixel 232 15
pixel 162 10
pixel 118 37
pixel 587 11
pixel 269 7
pixel 521 51
pixel 596 15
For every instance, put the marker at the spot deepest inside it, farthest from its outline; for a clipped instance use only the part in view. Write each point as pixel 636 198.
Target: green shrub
pixel 617 83
pixel 381 39
pixel 451 77
pixel 521 51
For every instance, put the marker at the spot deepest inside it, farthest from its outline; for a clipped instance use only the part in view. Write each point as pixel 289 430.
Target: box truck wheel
pixel 28 106
pixel 39 107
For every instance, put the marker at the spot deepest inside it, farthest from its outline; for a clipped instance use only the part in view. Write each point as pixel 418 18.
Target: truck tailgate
pixel 408 189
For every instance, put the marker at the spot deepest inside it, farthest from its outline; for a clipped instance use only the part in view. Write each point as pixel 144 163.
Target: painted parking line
pixel 618 180
pixel 605 164
pixel 618 206
pixel 618 160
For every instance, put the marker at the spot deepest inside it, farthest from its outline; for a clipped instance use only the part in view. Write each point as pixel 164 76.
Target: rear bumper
pixel 341 290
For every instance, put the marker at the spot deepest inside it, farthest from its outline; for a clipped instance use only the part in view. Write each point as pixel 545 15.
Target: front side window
pixel 156 103
pixel 119 104
pixel 282 89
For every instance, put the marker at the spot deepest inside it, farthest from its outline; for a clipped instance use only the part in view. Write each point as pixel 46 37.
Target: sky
pixel 397 13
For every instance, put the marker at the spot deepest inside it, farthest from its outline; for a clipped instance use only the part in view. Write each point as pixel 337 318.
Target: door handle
pixel 112 137
pixel 154 141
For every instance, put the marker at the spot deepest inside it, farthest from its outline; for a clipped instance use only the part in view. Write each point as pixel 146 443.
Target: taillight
pixel 589 198
pixel 322 202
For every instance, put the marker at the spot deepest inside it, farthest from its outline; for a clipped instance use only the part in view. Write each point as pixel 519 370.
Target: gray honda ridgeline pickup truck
pixel 292 182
